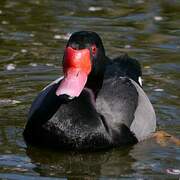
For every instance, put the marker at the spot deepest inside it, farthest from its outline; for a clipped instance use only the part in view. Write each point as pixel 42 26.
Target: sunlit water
pixel 32 38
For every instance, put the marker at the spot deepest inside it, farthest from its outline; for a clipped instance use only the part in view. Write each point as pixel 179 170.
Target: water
pixel 32 38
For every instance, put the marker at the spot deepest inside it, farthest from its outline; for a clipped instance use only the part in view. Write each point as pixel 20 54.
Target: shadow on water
pixel 32 38
pixel 77 165
pixel 125 162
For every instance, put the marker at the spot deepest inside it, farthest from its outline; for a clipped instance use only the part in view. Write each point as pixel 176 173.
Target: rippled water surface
pixel 32 38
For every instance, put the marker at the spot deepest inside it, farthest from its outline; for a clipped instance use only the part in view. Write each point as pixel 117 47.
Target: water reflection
pixel 74 165
pixel 129 162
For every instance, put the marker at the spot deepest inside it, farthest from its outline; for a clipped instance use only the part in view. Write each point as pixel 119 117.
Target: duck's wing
pixel 122 101
pixel 144 123
pixel 44 99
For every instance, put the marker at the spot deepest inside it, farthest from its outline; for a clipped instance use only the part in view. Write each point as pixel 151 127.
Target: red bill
pixel 77 66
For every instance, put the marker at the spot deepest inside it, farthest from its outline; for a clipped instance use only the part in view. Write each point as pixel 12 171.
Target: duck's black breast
pixel 75 125
pixel 85 124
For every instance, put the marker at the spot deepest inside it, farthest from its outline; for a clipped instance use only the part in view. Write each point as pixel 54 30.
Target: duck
pixel 98 103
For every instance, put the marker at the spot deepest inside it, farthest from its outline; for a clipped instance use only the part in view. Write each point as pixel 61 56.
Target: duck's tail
pixel 130 67
pixel 126 66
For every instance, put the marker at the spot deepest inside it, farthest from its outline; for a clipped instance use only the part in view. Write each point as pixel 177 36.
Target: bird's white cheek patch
pixel 140 80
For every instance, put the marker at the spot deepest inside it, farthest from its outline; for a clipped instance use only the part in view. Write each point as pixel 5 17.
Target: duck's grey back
pixel 144 123
pixel 122 101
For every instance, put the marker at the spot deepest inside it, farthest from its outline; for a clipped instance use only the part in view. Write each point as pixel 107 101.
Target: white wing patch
pixel 140 80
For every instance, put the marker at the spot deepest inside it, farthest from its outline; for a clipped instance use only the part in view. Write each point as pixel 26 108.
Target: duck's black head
pixel 83 64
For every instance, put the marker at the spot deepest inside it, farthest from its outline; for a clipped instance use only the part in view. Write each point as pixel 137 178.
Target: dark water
pixel 32 36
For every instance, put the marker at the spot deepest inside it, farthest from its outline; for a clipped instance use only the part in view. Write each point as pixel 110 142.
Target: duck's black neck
pixel 95 83
pixel 96 77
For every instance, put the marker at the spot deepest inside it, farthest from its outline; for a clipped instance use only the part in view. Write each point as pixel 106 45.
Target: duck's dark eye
pixel 93 49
